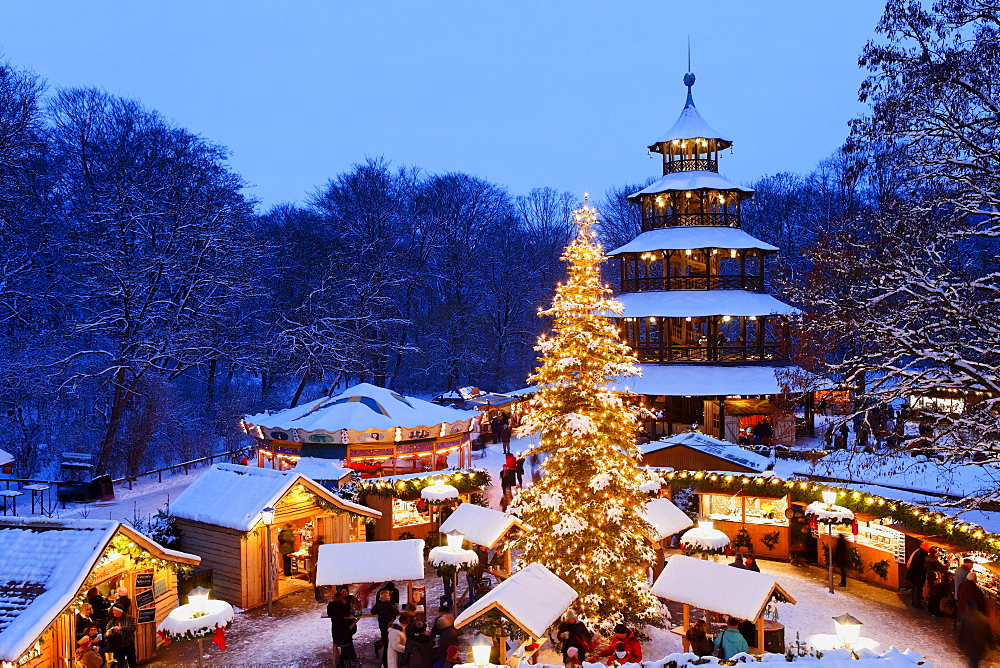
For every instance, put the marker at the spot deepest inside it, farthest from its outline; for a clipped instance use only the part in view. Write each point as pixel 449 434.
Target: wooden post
pixel 687 625
pixel 760 634
pixel 508 566
pixel 503 643
pixel 409 593
pixel 201 662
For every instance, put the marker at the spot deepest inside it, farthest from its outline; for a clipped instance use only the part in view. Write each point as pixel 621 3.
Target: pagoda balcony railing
pixel 753 283
pixel 652 221
pixel 730 352
pixel 690 165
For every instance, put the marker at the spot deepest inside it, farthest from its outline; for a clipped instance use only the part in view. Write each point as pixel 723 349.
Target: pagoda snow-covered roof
pixel 696 440
pixel 690 125
pixel 694 380
pixel 692 236
pixel 697 179
pixel 360 408
pixel 700 303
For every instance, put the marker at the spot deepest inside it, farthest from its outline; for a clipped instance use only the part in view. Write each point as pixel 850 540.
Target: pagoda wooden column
pixel 760 336
pixel 743 335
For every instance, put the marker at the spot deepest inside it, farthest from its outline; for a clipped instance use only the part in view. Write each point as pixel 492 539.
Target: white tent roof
pixel 692 236
pixel 322 469
pixel 377 561
pixel 698 179
pixel 724 449
pixel 666 518
pixel 233 496
pixel 360 408
pixel 690 125
pixel 720 588
pixel 482 526
pixel 696 303
pixel 692 380
pixel 533 598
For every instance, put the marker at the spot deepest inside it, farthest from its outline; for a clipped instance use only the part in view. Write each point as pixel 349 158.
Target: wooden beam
pixel 687 625
pixel 760 634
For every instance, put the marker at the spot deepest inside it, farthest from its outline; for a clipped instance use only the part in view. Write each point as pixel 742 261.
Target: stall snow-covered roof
pixel 696 440
pixel 44 564
pixel 698 179
pixel 692 236
pixel 482 526
pixel 700 303
pixel 690 125
pixel 233 496
pixel 322 469
pixel 666 518
pixel 691 380
pixel 5 457
pixel 524 391
pixel 736 592
pixel 377 561
pixel 533 598
pixel 361 408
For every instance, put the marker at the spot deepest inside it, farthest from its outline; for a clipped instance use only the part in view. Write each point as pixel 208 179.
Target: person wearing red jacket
pixel 623 642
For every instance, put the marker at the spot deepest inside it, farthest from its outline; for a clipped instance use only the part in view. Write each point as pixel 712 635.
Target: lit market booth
pixel 49 566
pixel 756 521
pixel 719 588
pixel 367 428
pixel 405 513
pixel 231 515
pixel 530 600
pixel 373 563
pixel 488 528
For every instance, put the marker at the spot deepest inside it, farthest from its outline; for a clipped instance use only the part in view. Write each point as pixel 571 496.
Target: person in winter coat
pixel 571 630
pixel 633 650
pixel 916 573
pixel 419 652
pixel 397 644
pixel 496 427
pixel 286 545
pixel 393 592
pixel 100 606
pixel 970 596
pixel 975 637
pixel 738 562
pixel 447 637
pixel 86 654
pixel 940 586
pixel 97 640
pixel 731 642
pixel 123 601
pixel 751 564
pixel 508 478
pixel 697 637
pixel 120 633
pixel 343 626
pixel 840 558
pixel 763 432
pixel 519 470
pixel 84 619
pixel 451 657
pixel 572 657
pixel 506 432
pixel 387 614
pixel 961 573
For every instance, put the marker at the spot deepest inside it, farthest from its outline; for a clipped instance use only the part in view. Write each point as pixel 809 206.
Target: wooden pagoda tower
pixel 712 343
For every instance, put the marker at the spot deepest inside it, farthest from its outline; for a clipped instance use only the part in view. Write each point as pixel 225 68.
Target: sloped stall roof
pixel 692 380
pixel 44 564
pixel 720 588
pixel 692 236
pixel 482 526
pixel 5 457
pixel 233 496
pixel 666 518
pixel 360 408
pixel 533 598
pixel 700 303
pixel 377 561
pixel 731 452
pixel 697 179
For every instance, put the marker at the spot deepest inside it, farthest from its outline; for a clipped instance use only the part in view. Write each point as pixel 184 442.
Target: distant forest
pixel 147 304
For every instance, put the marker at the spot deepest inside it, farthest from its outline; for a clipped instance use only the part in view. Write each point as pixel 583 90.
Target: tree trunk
pixel 299 389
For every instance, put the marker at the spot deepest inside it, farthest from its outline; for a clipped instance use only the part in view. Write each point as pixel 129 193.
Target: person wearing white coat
pixel 397 644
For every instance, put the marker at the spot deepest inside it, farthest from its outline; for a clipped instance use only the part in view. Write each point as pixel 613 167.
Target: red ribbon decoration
pixel 220 637
pixel 854 527
pixel 163 637
pixel 812 522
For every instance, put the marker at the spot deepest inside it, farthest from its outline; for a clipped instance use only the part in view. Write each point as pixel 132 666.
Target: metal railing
pixel 232 454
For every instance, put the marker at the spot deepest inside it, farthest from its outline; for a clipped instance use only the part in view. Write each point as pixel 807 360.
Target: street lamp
pixel 198 597
pixel 848 630
pixel 829 497
pixel 482 647
pixel 455 539
pixel 267 517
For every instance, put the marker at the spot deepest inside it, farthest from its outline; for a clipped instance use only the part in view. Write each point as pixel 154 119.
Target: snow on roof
pixel 533 598
pixel 233 496
pixel 692 236
pixel 690 125
pixel 692 380
pixel 482 526
pixel 699 179
pixel 322 469
pixel 666 518
pixel 736 592
pixel 359 408
pixel 699 303
pixel 377 561
pixel 5 457
pixel 531 389
pixel 713 446
pixel 44 564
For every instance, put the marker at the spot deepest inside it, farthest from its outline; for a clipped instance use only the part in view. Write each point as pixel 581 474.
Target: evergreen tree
pixel 585 515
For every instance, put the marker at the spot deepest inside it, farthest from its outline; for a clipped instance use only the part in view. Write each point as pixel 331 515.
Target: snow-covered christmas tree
pixel 585 515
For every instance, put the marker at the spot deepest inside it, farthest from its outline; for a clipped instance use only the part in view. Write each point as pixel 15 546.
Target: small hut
pixel 220 517
pixel 666 519
pixel 368 428
pixel 369 563
pixel 719 588
pixel 48 566
pixel 695 451
pixel 488 528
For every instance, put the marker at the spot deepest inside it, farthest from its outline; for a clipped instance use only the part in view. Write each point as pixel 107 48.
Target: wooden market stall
pixel 488 528
pixel 221 516
pixel 756 522
pixel 719 588
pixel 370 429
pixel 47 568
pixel 666 519
pixel 532 599
pixel 373 563
pixel 695 451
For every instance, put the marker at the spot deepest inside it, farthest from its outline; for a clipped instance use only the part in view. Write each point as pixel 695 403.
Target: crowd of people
pixel 103 628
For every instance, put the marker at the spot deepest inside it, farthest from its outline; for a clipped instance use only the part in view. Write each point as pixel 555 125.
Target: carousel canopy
pixel 482 526
pixel 692 236
pixel 378 561
pixel 233 496
pixel 736 592
pixel 691 380
pixel 364 407
pixel 700 303
pixel 698 179
pixel 44 565
pixel 533 598
pixel 666 518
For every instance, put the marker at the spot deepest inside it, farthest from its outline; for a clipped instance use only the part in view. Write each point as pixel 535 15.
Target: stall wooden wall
pixel 383 525
pixel 782 549
pixel 684 458
pixel 221 550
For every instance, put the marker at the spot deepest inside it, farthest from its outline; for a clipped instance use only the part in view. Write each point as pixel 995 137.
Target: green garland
pixel 464 480
pixel 334 509
pixel 970 537
pixel 205 632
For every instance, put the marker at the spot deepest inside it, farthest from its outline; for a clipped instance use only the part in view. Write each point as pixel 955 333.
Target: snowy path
pixel 143 500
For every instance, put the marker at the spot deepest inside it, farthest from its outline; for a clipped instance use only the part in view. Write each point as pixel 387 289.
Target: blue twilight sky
pixel 560 93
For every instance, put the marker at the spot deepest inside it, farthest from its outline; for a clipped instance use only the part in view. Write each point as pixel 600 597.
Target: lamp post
pixel 829 498
pixel 267 517
pixel 455 540
pixel 848 630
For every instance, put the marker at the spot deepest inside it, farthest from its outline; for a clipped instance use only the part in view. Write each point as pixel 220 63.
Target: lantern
pixel 455 539
pixel 267 516
pixel 706 524
pixel 848 629
pixel 482 647
pixel 198 597
pixel 829 497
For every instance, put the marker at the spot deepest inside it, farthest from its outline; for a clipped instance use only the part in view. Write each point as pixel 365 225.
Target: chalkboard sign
pixel 147 615
pixel 143 580
pixel 144 599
